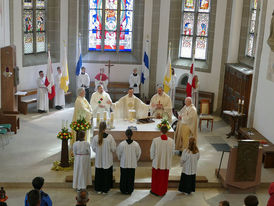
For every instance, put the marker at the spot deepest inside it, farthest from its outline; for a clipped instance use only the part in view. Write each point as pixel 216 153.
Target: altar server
pixel 134 82
pixel 101 79
pixel 160 104
pixel 189 160
pixel 84 81
pixel 129 102
pixel 172 85
pixel 103 145
pixel 187 125
pixel 82 109
pixel 59 99
pixel 42 94
pixel 161 152
pixel 100 101
pixel 82 166
pixel 128 152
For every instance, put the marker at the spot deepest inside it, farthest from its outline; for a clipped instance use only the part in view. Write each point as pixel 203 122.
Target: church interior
pixel 227 45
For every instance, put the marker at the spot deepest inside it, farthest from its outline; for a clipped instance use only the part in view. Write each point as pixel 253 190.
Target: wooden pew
pixel 23 104
pixel 115 89
pixel 180 95
pixel 10 118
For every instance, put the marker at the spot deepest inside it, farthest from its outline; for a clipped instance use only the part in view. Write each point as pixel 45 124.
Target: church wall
pixel 264 110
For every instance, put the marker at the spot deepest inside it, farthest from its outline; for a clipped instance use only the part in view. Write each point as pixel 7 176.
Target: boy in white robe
pixel 172 85
pixel 161 152
pixel 100 101
pixel 160 105
pixel 42 94
pixel 82 166
pixel 84 81
pixel 134 82
pixel 128 152
pixel 129 102
pixel 59 99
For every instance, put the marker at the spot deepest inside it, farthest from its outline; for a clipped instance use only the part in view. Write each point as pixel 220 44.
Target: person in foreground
pixel 251 200
pixel 128 152
pixel 82 166
pixel 161 152
pixel 271 193
pixel 103 145
pixel 82 197
pixel 224 203
pixel 37 184
pixel 33 198
pixel 189 160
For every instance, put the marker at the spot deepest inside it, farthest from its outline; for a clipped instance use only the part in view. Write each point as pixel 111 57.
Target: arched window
pixel 251 40
pixel 34 23
pixel 110 25
pixel 194 29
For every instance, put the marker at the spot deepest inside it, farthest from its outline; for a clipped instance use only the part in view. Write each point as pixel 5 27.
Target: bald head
pixel 188 101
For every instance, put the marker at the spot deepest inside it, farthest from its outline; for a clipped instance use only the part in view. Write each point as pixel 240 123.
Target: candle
pixel 111 116
pixel 239 101
pixel 98 115
pixel 243 102
pixel 105 115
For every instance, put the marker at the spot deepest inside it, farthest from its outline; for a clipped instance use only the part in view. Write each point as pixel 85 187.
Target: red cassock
pixel 159 181
pixel 101 77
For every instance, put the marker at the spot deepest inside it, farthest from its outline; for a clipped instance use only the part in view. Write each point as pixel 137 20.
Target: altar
pixel 144 134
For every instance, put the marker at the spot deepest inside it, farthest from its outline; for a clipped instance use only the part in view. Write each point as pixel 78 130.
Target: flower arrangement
pixel 164 122
pixel 64 134
pixel 100 101
pixel 80 125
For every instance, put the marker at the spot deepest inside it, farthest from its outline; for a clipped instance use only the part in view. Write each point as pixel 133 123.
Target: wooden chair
pixel 204 114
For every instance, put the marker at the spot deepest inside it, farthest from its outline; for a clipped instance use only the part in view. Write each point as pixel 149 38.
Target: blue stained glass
pixel 96 4
pixel 95 40
pixel 110 20
pixel 126 19
pixel 125 43
pixel 127 5
pixel 95 19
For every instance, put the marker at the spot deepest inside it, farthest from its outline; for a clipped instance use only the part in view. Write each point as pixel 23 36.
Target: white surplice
pixel 172 85
pixel 100 99
pixel 165 100
pixel 189 162
pixel 82 166
pixel 161 152
pixel 128 154
pixel 126 103
pixel 134 82
pixel 42 95
pixel 59 99
pixel 104 156
pixel 84 80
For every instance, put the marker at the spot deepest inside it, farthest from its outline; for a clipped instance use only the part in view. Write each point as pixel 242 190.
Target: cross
pixel 109 65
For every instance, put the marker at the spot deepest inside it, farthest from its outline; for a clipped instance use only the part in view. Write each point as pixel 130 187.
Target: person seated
pixel 251 200
pixel 129 102
pixel 37 184
pixel 82 197
pixel 101 79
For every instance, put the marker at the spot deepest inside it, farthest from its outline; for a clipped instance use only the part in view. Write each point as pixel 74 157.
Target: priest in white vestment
pixel 59 99
pixel 101 79
pixel 82 166
pixel 100 101
pixel 82 109
pixel 134 82
pixel 187 125
pixel 172 85
pixel 42 94
pixel 128 152
pixel 129 102
pixel 161 152
pixel 160 105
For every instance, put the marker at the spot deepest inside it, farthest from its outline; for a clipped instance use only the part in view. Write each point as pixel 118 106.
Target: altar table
pixel 144 135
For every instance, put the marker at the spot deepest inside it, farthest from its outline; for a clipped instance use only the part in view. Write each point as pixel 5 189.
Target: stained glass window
pixel 34 21
pixel 250 44
pixel 116 28
pixel 194 29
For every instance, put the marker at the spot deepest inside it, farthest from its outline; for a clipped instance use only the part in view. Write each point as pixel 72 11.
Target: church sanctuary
pixel 137 102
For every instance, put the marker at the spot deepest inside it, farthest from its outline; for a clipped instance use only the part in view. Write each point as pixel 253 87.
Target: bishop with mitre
pixel 100 101
pixel 186 126
pixel 101 79
pixel 161 105
pixel 129 102
pixel 82 109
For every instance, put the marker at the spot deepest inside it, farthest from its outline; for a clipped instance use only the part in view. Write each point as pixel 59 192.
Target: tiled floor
pixel 33 150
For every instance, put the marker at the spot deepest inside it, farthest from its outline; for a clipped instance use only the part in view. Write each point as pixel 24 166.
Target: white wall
pixel 210 81
pixel 264 105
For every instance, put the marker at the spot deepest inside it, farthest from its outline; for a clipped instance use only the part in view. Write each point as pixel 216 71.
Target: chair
pixel 204 113
pixel 3 133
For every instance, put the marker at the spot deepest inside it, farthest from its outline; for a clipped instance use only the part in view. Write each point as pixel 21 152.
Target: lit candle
pixel 243 102
pixel 239 101
pixel 105 115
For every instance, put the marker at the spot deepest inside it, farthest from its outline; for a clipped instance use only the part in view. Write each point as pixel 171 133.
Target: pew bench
pixel 23 102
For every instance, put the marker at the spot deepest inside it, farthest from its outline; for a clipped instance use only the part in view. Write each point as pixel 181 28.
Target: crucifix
pixel 109 65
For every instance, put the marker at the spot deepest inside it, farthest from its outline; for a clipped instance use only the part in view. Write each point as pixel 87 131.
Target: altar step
pixel 173 182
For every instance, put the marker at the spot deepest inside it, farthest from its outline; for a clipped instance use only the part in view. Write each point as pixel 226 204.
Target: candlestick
pixel 242 109
pixel 239 106
pixel 243 102
pixel 239 101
